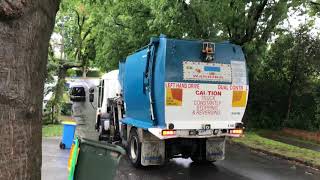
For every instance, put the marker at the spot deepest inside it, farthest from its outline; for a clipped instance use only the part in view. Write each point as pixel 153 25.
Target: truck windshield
pixel 77 91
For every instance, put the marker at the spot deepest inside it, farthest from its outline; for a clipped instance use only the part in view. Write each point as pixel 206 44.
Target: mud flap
pixel 215 149
pixel 153 153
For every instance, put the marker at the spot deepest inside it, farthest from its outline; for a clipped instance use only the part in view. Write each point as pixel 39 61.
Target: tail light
pixel 168 132
pixel 236 131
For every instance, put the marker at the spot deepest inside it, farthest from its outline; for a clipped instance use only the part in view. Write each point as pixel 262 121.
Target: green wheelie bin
pixel 93 160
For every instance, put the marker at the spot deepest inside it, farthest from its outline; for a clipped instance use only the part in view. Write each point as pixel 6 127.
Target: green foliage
pixel 126 25
pixel 315 7
pixel 283 90
pixel 66 109
pixel 101 33
pixel 71 73
pixel 284 75
pixel 75 23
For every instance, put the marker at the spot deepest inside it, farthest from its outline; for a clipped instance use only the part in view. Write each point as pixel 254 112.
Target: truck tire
pixel 201 160
pixel 134 148
pixel 200 157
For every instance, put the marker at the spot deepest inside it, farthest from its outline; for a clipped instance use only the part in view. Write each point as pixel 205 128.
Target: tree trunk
pixel 288 107
pixel 58 93
pixel 25 29
pixel 59 89
pixel 84 71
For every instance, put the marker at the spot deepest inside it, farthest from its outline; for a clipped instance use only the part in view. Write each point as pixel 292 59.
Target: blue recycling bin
pixel 68 134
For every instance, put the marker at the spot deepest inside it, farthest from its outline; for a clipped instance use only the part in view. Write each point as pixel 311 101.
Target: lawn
pixel 52 130
pixel 255 141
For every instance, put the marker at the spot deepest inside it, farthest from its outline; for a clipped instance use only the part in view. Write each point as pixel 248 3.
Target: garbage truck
pixel 176 98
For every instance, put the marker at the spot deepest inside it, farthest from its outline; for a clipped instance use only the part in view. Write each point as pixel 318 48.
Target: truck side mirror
pixel 91 94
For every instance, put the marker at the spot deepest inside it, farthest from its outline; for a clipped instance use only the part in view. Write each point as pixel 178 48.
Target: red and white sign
pixel 204 103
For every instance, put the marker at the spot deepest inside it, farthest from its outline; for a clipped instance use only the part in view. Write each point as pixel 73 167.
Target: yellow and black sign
pixel 174 97
pixel 239 99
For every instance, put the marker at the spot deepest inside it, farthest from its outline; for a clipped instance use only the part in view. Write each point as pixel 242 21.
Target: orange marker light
pixel 168 132
pixel 236 131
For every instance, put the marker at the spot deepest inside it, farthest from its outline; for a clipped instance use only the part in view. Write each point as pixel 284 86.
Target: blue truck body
pixel 162 59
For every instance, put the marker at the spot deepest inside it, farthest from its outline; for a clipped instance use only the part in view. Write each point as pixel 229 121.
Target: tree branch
pixel 87 33
pixel 229 31
pixel 315 3
pixel 78 17
pixel 253 18
pixel 69 65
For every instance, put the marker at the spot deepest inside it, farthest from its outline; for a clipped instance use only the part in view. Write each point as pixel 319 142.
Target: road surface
pixel 240 164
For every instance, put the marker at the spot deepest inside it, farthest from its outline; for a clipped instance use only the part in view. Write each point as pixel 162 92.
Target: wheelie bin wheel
pixel 62 146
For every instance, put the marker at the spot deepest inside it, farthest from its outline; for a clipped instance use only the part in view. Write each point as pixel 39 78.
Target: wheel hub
pixel 134 148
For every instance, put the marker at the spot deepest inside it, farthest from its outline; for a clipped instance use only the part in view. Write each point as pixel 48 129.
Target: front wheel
pixel 134 148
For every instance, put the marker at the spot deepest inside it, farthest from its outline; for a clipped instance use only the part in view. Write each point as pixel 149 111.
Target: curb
pixel 52 138
pixel 296 160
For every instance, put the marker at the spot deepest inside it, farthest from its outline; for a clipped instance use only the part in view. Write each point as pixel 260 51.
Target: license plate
pixel 204 132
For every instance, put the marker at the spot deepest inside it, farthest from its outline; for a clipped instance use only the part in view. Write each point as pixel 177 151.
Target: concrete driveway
pixel 54 160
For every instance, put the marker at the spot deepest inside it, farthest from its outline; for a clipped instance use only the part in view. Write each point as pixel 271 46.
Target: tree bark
pixel 289 106
pixel 25 29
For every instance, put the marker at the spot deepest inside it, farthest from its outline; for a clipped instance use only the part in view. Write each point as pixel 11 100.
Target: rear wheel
pixel 200 160
pixel 200 156
pixel 134 148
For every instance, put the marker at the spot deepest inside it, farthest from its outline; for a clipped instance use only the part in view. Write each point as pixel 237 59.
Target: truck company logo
pixel 174 97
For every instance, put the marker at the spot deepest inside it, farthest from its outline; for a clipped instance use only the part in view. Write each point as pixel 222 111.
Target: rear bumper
pixel 184 133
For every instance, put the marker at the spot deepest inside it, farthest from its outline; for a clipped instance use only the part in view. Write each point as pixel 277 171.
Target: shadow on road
pixel 183 169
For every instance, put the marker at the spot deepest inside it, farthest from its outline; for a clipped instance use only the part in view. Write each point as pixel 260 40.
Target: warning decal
pixel 239 73
pixel 174 97
pixel 204 102
pixel 239 98
pixel 202 71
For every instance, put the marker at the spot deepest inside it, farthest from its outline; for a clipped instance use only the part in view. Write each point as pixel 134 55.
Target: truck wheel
pixel 134 148
pixel 201 160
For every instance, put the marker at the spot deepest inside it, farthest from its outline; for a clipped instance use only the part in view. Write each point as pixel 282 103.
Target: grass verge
pixel 52 130
pixel 290 152
pixel 270 133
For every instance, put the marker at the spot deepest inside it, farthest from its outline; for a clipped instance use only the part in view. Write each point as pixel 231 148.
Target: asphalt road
pixel 240 164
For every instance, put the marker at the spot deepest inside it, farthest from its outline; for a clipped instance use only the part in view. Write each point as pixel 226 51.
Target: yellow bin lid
pixel 69 123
